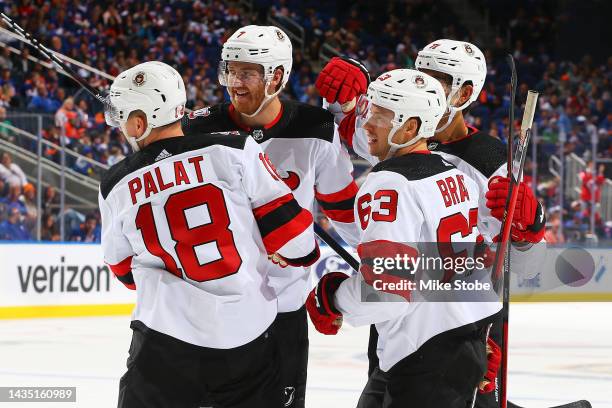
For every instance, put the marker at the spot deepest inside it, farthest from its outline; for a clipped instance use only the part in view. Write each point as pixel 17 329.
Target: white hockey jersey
pixel 304 146
pixel 414 198
pixel 188 222
pixel 481 157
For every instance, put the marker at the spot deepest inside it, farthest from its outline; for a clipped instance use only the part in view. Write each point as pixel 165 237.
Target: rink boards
pixel 63 280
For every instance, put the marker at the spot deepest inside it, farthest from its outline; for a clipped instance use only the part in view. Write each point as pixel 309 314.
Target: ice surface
pixel 559 352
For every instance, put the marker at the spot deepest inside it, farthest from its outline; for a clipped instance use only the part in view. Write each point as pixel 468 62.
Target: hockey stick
pixel 57 62
pixel 342 253
pixel 515 174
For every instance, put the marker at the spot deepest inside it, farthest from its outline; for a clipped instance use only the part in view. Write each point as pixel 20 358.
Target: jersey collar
pixel 233 116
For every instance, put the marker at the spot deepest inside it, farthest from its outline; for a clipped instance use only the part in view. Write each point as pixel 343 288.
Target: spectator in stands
pixel 115 156
pixel 552 234
pixel 49 229
pixel 41 101
pixel 89 231
pixel 51 200
pixel 13 199
pixel 10 172
pixel 82 165
pixel 31 209
pixel 5 132
pixel 67 120
pixel 13 229
pixel 591 184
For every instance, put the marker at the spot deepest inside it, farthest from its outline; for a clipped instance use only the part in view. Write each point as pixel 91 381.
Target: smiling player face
pixel 377 127
pixel 246 86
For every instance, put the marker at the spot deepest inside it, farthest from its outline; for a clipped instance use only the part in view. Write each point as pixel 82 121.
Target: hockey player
pixel 461 68
pixel 432 354
pixel 188 221
pixel 303 144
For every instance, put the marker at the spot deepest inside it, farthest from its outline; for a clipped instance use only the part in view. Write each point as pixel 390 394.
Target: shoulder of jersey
pixel 415 166
pixel 482 151
pixel 167 148
pixel 301 121
pixel 210 119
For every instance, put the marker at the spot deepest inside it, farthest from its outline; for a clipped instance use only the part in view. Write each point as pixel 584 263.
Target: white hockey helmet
pixel 152 87
pixel 267 46
pixel 408 93
pixel 462 61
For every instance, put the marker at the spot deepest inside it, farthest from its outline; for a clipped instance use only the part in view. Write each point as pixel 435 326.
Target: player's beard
pixel 247 100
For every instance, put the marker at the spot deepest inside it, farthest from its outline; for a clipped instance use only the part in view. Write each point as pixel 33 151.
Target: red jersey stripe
pixel 346 193
pixel 122 268
pixel 261 211
pixel 285 233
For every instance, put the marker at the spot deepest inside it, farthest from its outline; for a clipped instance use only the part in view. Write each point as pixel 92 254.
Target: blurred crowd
pixel 19 210
pixel 575 101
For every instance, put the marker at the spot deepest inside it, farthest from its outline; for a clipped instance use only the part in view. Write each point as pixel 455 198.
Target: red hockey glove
pixel 342 80
pixel 320 303
pixel 493 362
pixel 528 221
pixel 346 129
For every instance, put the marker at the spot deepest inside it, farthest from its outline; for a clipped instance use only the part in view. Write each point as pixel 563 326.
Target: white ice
pixel 559 352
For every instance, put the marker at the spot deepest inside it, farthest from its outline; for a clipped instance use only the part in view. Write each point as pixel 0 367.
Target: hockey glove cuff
pixel 323 313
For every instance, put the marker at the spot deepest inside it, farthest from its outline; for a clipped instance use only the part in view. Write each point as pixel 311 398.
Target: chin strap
pixel 452 110
pixel 395 146
pixel 133 141
pixel 266 100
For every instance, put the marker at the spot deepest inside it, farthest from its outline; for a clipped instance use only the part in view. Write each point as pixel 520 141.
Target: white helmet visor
pixel 372 115
pixel 111 113
pixel 233 75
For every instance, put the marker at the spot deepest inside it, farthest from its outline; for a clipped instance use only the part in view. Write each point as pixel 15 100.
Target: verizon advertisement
pixel 58 274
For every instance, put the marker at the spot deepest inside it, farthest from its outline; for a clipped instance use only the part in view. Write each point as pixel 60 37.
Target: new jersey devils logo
pixel 291 179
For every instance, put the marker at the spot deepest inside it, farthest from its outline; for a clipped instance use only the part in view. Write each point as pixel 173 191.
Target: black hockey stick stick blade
pixel 576 404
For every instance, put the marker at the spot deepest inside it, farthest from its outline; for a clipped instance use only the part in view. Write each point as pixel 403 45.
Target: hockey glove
pixel 493 361
pixel 528 221
pixel 342 80
pixel 320 303
pixel 277 259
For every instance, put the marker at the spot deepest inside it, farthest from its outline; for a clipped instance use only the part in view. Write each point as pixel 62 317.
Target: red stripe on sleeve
pixel 346 193
pixel 261 211
pixel 276 239
pixel 339 215
pixel 122 268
